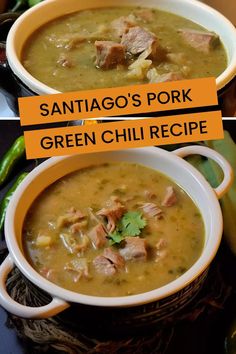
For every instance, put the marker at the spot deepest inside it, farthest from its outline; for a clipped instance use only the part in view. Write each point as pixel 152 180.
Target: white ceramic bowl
pixel 152 305
pixel 51 9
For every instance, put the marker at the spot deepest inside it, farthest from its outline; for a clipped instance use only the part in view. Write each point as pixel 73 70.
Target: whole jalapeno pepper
pixel 12 156
pixel 6 199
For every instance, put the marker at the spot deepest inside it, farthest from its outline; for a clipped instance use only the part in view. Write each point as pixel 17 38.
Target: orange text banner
pixel 118 101
pixel 123 134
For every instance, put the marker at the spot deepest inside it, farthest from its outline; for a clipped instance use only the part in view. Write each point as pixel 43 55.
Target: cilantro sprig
pixel 130 224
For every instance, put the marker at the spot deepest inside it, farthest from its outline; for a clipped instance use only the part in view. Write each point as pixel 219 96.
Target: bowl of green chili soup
pixel 132 231
pixel 57 47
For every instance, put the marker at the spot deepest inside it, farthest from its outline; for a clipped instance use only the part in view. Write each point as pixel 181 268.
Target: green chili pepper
pixel 33 2
pixel 11 157
pixel 5 201
pixel 213 174
pixel 21 5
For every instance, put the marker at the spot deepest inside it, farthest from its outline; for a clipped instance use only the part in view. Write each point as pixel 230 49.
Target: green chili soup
pixel 114 229
pixel 110 47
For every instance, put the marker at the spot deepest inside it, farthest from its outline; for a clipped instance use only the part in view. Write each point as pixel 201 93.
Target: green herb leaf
pixel 115 237
pixel 33 2
pixel 131 223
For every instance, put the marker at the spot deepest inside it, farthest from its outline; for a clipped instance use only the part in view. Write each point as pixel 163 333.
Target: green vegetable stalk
pixel 33 2
pixel 214 175
pixel 5 201
pixel 227 148
pixel 12 156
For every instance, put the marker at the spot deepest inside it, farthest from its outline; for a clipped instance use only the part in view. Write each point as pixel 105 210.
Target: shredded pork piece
pixel 113 214
pixel 122 24
pixel 170 198
pixel 200 40
pixel 109 54
pixel 104 266
pixel 137 40
pixel 134 249
pixel 114 257
pixel 151 209
pixel 109 262
pixel 150 195
pixel 98 235
pixel 74 244
pixel 78 226
pixel 72 216
pixel 161 250
pixel 78 268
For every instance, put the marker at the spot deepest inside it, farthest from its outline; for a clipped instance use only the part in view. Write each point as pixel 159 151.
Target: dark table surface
pixel 203 337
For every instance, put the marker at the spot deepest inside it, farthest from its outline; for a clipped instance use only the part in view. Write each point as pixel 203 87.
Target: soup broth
pixel 114 229
pixel 119 46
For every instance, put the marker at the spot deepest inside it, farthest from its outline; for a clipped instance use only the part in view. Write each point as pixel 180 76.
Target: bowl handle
pixel 219 159
pixel 51 309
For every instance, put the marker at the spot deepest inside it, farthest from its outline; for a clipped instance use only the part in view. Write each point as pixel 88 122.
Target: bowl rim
pixel 165 291
pixel 40 88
